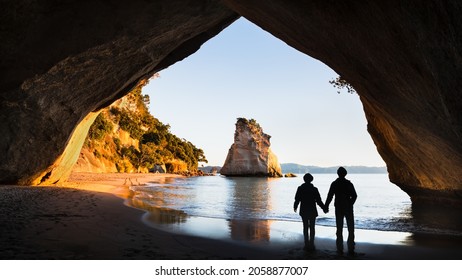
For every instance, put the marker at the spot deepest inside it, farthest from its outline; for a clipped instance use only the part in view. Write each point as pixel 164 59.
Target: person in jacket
pixel 345 197
pixel 307 196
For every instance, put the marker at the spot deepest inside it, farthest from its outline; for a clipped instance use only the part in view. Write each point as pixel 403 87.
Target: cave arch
pixel 247 72
pixel 63 60
pixel 403 60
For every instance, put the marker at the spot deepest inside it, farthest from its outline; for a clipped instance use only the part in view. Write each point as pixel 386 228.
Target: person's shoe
pixel 340 249
pixel 309 248
pixel 351 253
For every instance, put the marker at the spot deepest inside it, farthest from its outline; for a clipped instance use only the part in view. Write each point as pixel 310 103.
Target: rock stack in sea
pixel 250 154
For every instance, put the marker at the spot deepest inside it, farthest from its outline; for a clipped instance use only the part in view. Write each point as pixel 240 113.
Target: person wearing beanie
pixel 307 196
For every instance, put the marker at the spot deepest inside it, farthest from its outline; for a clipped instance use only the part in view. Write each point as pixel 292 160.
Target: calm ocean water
pixel 218 206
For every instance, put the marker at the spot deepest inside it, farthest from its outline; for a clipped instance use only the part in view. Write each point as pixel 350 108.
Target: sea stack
pixel 250 154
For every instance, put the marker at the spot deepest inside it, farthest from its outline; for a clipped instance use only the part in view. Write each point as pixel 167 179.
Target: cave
pixel 62 61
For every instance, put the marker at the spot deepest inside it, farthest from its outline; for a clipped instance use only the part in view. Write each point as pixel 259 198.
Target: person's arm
pixel 354 196
pixel 319 201
pixel 330 196
pixel 297 199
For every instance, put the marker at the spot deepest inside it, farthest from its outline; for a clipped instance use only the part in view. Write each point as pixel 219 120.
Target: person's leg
pixel 339 222
pixel 312 232
pixel 351 230
pixel 305 230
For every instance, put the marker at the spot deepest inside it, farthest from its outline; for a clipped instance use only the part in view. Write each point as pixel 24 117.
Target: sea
pixel 256 209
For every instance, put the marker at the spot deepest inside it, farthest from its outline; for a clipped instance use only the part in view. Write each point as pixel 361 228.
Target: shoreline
pixel 88 218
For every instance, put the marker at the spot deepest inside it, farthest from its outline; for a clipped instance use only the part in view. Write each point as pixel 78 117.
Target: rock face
pixel 250 154
pixel 126 138
pixel 62 60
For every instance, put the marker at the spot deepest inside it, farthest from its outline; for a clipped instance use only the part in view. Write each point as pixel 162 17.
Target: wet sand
pixel 88 219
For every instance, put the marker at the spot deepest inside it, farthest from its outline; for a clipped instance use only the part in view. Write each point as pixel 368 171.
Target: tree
pixel 149 156
pixel 157 145
pixel 341 83
pixel 99 128
pixel 146 100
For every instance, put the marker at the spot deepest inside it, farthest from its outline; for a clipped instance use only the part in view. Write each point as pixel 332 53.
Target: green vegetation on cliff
pixel 125 137
pixel 252 124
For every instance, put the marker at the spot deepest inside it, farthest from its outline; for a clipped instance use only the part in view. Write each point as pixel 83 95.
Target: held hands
pixel 325 209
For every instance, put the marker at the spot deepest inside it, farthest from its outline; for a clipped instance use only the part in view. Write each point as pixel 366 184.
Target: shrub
pixel 99 128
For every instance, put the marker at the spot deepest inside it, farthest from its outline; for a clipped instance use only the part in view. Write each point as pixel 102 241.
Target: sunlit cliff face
pixel 61 63
pixel 250 154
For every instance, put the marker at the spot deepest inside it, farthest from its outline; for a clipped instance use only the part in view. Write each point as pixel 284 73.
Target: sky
pixel 246 72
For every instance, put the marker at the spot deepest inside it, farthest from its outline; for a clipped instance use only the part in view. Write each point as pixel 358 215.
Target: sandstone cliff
pixel 250 154
pixel 125 137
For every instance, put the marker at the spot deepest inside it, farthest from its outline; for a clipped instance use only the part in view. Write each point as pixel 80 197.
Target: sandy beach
pixel 88 219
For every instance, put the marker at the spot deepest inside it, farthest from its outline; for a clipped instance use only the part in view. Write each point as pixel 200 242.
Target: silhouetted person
pixel 308 196
pixel 345 197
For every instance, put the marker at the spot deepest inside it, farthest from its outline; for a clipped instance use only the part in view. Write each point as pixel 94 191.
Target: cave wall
pixel 61 60
pixel 404 58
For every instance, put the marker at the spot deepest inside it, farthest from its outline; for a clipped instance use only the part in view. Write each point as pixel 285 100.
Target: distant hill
pixel 210 169
pixel 301 169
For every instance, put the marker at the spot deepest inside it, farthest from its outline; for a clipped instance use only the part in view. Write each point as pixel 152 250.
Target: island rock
pixel 250 154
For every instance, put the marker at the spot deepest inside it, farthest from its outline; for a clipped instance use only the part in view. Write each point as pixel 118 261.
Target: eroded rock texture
pixel 61 60
pixel 404 59
pixel 250 154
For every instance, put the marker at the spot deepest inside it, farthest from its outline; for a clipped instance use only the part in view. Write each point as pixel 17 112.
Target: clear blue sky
pixel 246 72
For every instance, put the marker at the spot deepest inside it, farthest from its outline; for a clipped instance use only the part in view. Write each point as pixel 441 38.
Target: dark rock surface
pixel 61 60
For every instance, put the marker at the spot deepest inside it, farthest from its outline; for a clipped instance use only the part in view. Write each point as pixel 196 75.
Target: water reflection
pixel 159 215
pixel 250 231
pixel 259 210
pixel 249 198
pixel 157 201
